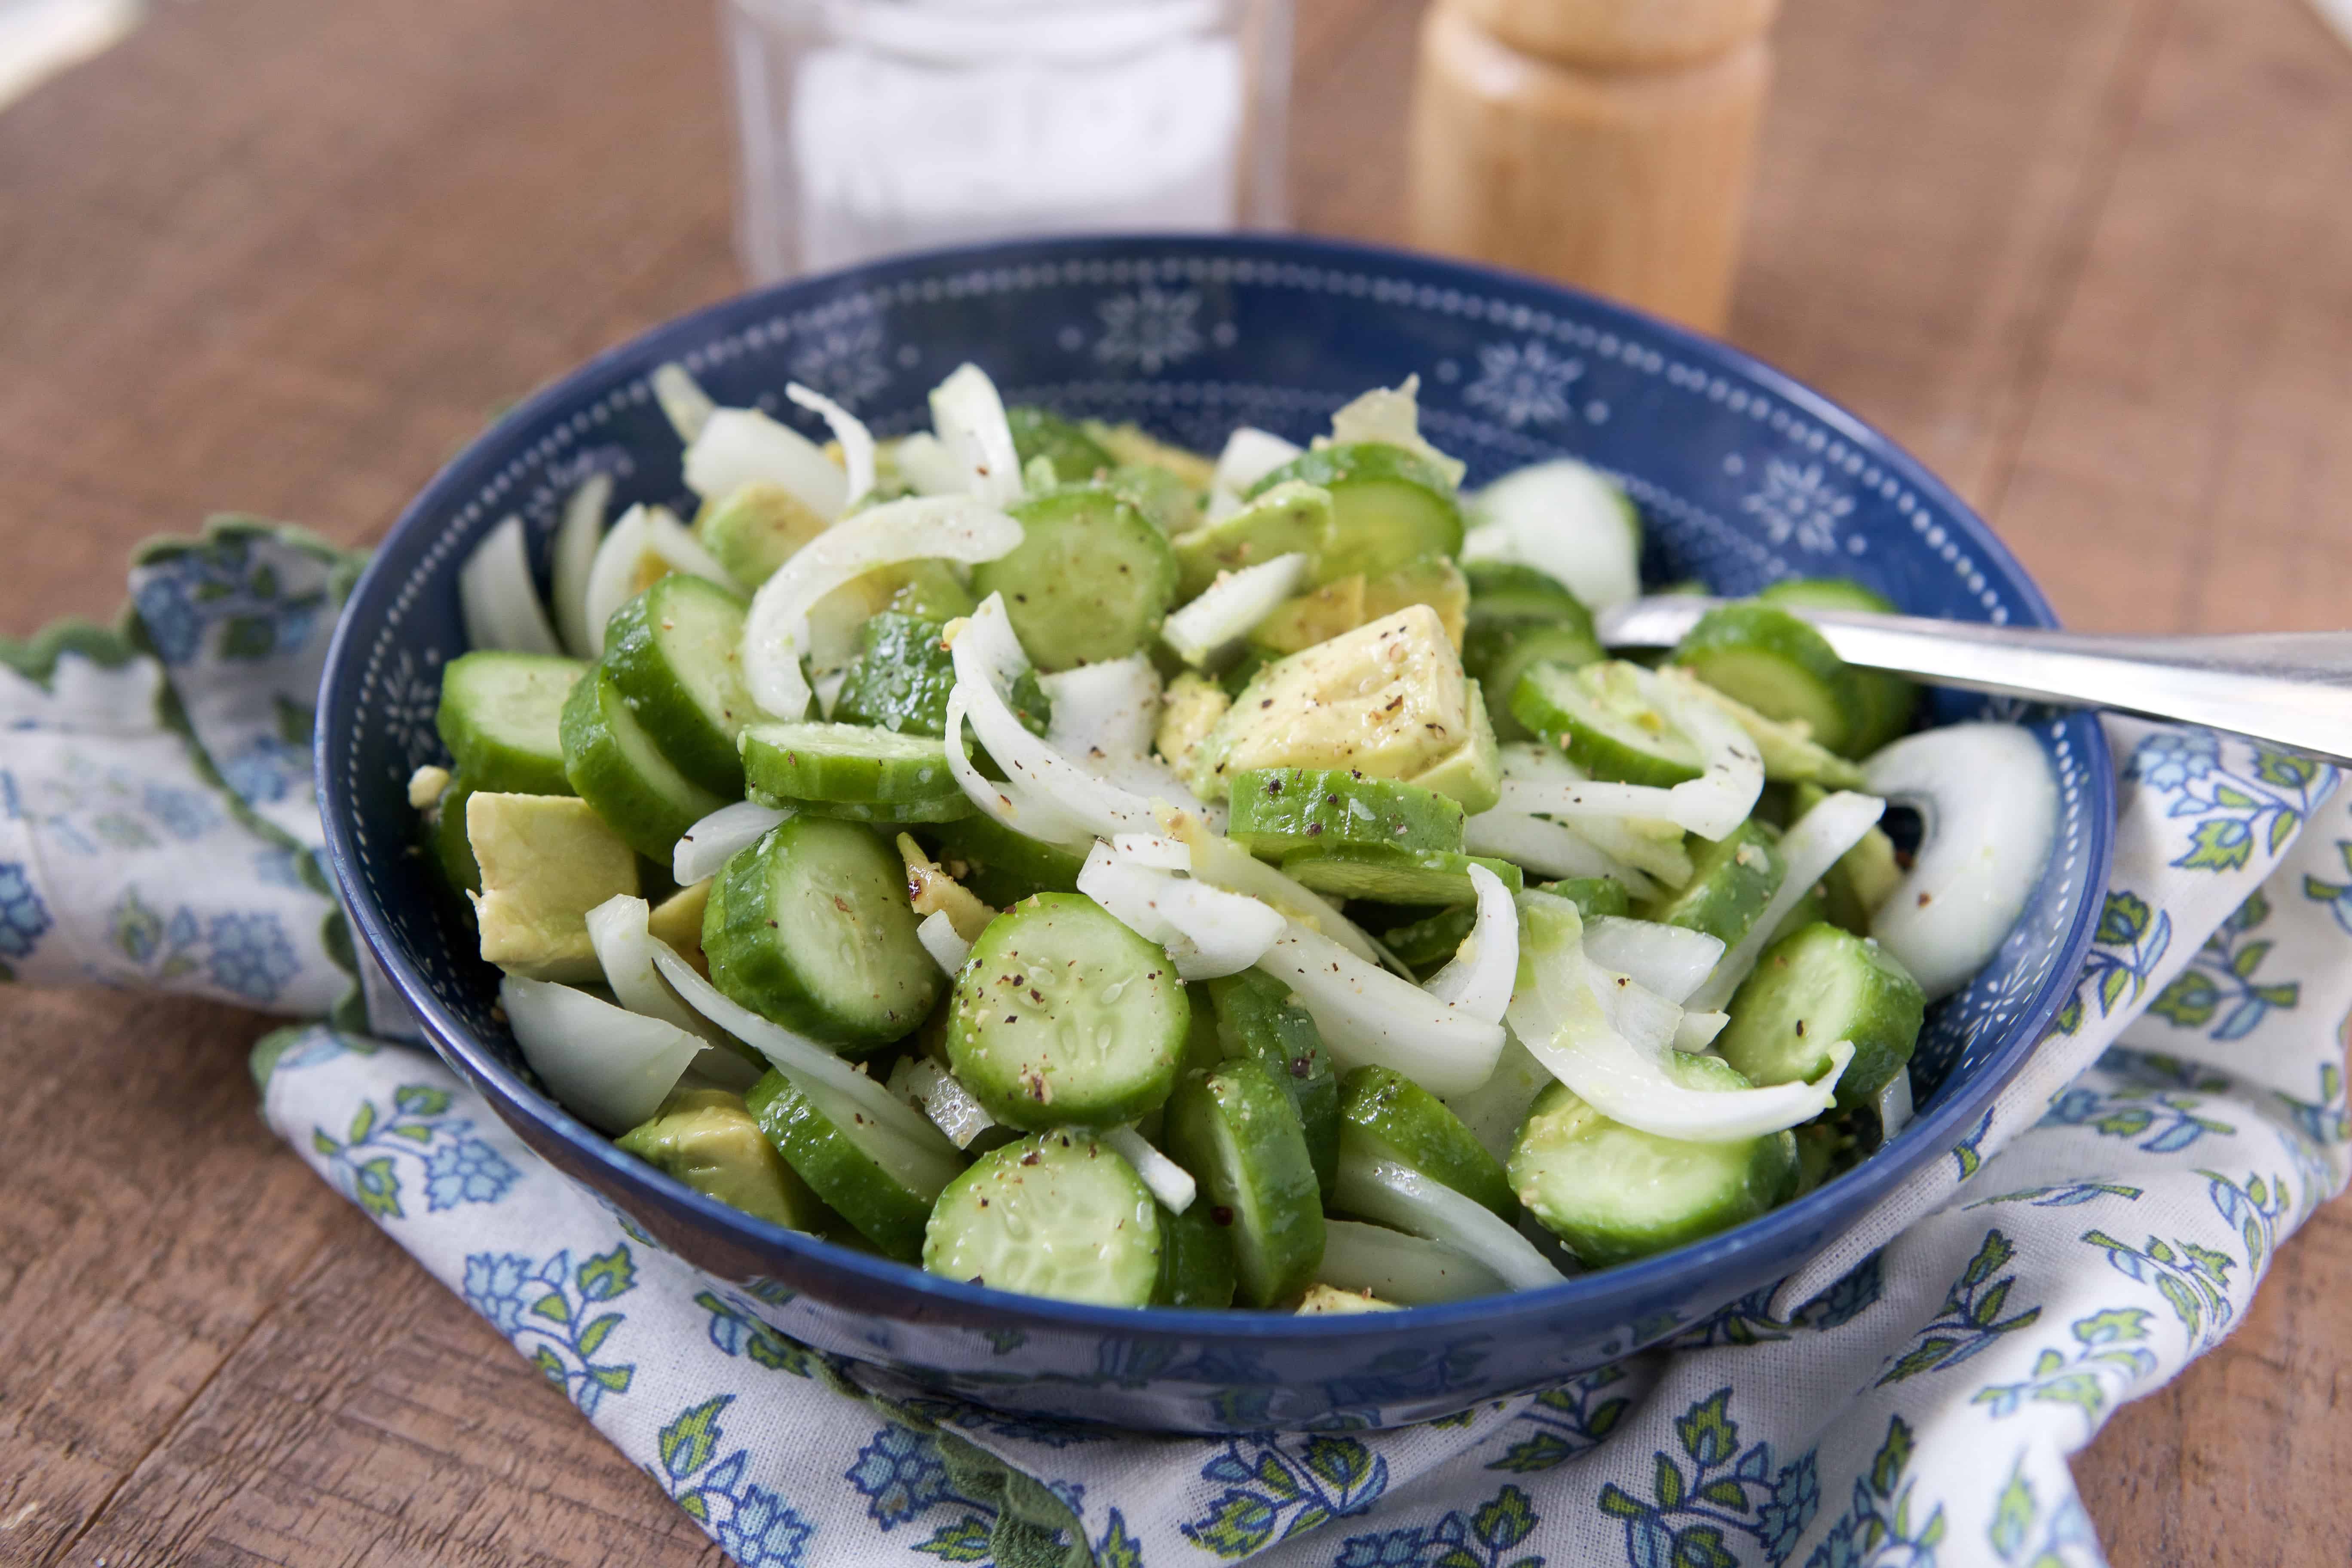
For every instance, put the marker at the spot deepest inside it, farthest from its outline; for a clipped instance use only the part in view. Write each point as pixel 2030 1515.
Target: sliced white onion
pixel 1479 978
pixel 710 843
pixel 1170 1183
pixel 1222 863
pixel 1669 960
pixel 1151 849
pixel 1103 717
pixel 970 418
pixel 1367 1016
pixel 605 1065
pixel 1697 1031
pixel 683 402
pixel 1230 606
pixel 1249 455
pixel 613 576
pixel 938 935
pixel 857 441
pixel 1557 1014
pixel 574 556
pixel 1894 1104
pixel 1548 849
pixel 1646 1021
pixel 1810 847
pixel 500 604
pixel 625 947
pixel 1710 805
pixel 737 445
pixel 1206 932
pixel 952 528
pixel 1392 416
pixel 1399 1195
pixel 1567 521
pixel 934 1091
pixel 1010 804
pixel 1411 1270
pixel 1990 810
pixel 1493 1111
pixel 924 461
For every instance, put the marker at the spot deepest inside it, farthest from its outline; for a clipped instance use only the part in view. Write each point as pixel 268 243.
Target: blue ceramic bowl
pixel 1743 478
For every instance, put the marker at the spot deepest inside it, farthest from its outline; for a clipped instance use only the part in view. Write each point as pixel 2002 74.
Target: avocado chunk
pixel 546 860
pixel 708 1138
pixel 755 528
pixel 678 921
pixel 1297 624
pixel 1322 1300
pixel 1132 445
pixel 1195 704
pixel 1472 772
pixel 1282 520
pixel 1432 580
pixel 1388 700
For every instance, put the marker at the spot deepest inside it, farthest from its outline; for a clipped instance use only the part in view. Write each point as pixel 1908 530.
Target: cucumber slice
pixel 1002 867
pixel 1592 896
pixel 676 652
pixel 903 674
pixel 1598 715
pixel 1057 1214
pixel 1885 699
pixel 615 767
pixel 1090 580
pixel 928 590
pixel 1812 988
pixel 1064 1017
pixel 708 1139
pixel 883 1185
pixel 1234 1129
pixel 852 771
pixel 1428 944
pixel 1394 876
pixel 1279 520
pixel 501 717
pixel 1505 594
pixel 1276 810
pixel 1077 456
pixel 1166 501
pixel 811 927
pixel 445 836
pixel 1731 881
pixel 1385 1115
pixel 1388 506
pixel 1613 1193
pixel 755 528
pixel 1253 1017
pixel 1776 665
pixel 1864 875
pixel 1496 656
pixel 1196 1260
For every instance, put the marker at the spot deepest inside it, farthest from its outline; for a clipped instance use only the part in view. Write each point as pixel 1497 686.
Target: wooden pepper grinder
pixel 1603 142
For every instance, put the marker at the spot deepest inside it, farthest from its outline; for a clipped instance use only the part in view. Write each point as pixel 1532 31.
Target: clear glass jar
pixel 871 126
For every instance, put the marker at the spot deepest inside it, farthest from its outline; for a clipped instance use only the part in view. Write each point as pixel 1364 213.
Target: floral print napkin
pixel 1909 1397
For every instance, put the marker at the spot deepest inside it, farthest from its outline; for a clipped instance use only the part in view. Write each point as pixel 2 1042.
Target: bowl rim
pixel 1835 1209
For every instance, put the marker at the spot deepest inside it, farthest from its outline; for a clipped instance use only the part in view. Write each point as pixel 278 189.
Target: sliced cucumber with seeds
pixel 1234 1129
pixel 1599 718
pixel 614 765
pixel 1385 1115
pixel 1388 506
pixel 1395 875
pixel 852 771
pixel 1254 1018
pixel 1811 989
pixel 1776 664
pixel 1613 1193
pixel 676 652
pixel 1090 580
pixel 1064 1017
pixel 445 836
pixel 1864 875
pixel 811 927
pixel 1285 519
pixel 1036 433
pixel 501 717
pixel 1504 592
pixel 1196 1260
pixel 1731 881
pixel 1002 867
pixel 1496 656
pixel 1276 810
pixel 1885 700
pixel 879 1182
pixel 903 674
pixel 1592 896
pixel 1166 501
pixel 1057 1215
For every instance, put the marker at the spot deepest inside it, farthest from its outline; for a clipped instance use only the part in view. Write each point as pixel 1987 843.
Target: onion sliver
pixel 970 417
pixel 495 595
pixel 625 947
pixel 1219 862
pixel 924 461
pixel 683 402
pixel 1250 455
pixel 938 935
pixel 1479 976
pixel 1151 849
pixel 1697 1031
pixel 1008 803
pixel 1206 932
pixel 1171 1183
pixel 1990 811
pixel 1810 847
pixel 1399 1195
pixel 952 528
pixel 1548 849
pixel 1710 805
pixel 1368 1016
pixel 1894 1104
pixel 1103 717
pixel 1391 415
pixel 1669 960
pixel 1493 1111
pixel 935 1092
pixel 710 843
pixel 574 558
pixel 1230 606
pixel 857 440
pixel 605 1065
pixel 1410 1270
pixel 1565 520
pixel 737 445
pixel 613 576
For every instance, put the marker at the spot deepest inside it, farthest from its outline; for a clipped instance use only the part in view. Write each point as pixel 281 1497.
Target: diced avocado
pixel 1281 520
pixel 546 860
pixel 1298 623
pixel 1472 772
pixel 1388 700
pixel 1134 445
pixel 708 1138
pixel 1195 704
pixel 678 921
pixel 1330 1298
pixel 755 528
pixel 1432 580
pixel 931 891
pixel 1172 506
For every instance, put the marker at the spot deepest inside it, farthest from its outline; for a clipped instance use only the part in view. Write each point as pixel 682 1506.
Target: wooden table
pixel 2092 260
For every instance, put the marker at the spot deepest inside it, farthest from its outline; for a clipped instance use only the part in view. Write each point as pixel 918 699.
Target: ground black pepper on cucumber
pixel 1138 970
